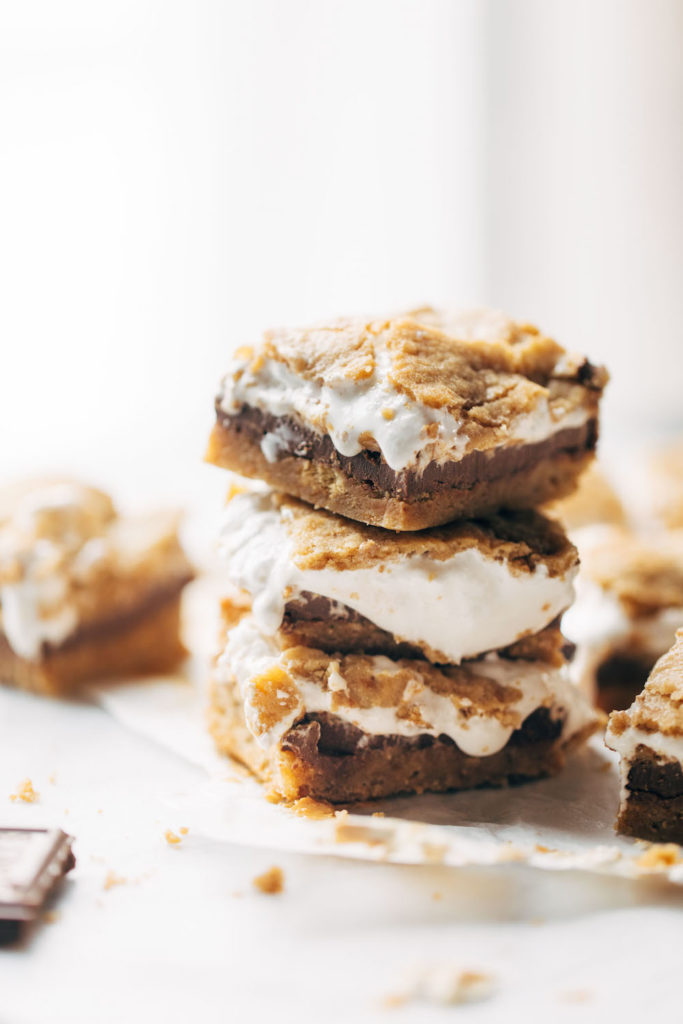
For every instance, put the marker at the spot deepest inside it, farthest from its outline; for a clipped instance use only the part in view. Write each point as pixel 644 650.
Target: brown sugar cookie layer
pixel 649 739
pixel 345 727
pixel 85 593
pixel 413 421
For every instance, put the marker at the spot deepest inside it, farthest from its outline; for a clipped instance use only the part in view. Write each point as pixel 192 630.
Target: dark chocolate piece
pixel 370 468
pixel 32 863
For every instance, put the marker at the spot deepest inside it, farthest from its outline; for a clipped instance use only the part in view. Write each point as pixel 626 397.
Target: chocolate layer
pixel 369 467
pixel 647 774
pixel 620 678
pixel 326 734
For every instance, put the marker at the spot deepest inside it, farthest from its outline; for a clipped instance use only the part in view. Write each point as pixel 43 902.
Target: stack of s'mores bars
pixel 397 627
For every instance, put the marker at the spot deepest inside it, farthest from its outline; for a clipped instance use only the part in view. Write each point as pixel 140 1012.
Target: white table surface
pixel 186 936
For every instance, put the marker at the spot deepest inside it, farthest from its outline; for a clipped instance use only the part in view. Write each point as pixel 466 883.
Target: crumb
pixel 26 793
pixel 444 986
pixel 341 815
pixel 112 879
pixel 388 414
pixel 378 814
pixel 577 995
pixel 358 834
pixel 99 810
pixel 659 857
pixel 52 779
pixel 273 797
pixel 270 882
pixel 51 916
pixel 171 838
pixel 539 848
pixel 183 830
pixel 434 853
pixel 306 807
pixel 436 896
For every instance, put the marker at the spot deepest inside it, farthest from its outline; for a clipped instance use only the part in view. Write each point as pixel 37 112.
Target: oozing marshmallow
pixel 249 657
pixel 458 607
pixel 409 434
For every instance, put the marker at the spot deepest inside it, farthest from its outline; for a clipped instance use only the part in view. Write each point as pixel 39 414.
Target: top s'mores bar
pixel 85 593
pixel 412 421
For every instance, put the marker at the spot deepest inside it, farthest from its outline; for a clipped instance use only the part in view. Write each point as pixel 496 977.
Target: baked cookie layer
pixel 649 739
pixel 80 583
pixel 413 421
pixel 449 593
pixel 351 727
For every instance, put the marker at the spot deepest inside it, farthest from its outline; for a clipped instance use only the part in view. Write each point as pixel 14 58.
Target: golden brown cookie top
pixel 523 540
pixel 478 374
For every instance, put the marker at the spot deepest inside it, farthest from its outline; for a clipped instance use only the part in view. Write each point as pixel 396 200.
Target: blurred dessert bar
pixel 665 484
pixel 594 501
pixel 629 605
pixel 374 663
pixel 649 739
pixel 85 594
pixel 412 421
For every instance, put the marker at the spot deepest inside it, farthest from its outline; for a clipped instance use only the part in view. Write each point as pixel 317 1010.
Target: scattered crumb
pixel 183 830
pixel 273 797
pixel 66 810
pixel 112 879
pixel 377 814
pixel 51 916
pixel 659 857
pixel 52 779
pixel 99 810
pixel 539 848
pixel 443 986
pixel 436 896
pixel 270 882
pixel 434 853
pixel 171 838
pixel 306 807
pixel 358 834
pixel 577 995
pixel 26 793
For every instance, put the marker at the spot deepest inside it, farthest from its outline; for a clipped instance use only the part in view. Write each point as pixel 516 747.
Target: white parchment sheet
pixel 564 823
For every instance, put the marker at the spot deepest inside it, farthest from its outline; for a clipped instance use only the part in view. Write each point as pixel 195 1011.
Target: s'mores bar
pixel 649 739
pixel 412 421
pixel 594 501
pixel 373 664
pixel 665 484
pixel 85 594
pixel 629 606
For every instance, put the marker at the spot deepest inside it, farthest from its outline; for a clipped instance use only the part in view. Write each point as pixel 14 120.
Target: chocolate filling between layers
pixel 647 774
pixel 327 734
pixel 370 468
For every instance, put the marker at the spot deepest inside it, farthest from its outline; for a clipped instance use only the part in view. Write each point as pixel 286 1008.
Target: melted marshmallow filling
pixel 249 655
pixel 458 607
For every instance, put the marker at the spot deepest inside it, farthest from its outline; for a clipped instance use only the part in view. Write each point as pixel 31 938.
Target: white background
pixel 175 176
